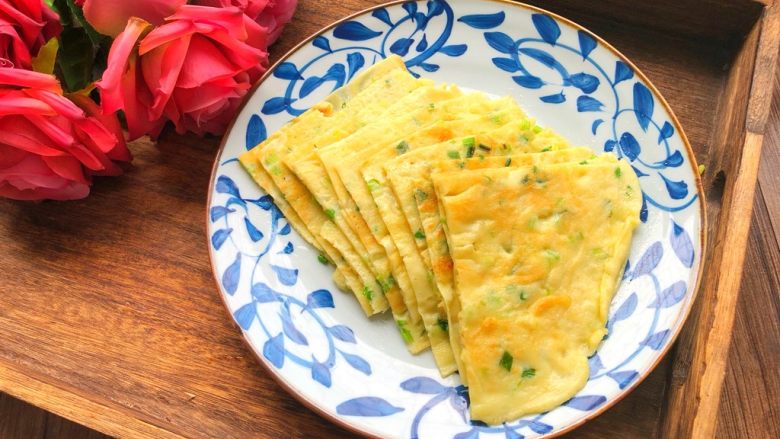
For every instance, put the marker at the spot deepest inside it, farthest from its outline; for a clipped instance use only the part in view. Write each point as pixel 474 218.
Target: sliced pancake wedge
pixel 417 179
pixel 290 195
pixel 537 254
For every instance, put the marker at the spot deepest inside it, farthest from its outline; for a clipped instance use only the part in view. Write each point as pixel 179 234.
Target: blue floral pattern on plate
pixel 316 339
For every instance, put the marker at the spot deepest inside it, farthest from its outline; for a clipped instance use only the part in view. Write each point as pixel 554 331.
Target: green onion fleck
pixel 496 119
pixel 470 151
pixel 702 168
pixel 453 154
pixel 547 148
pixel 421 195
pixel 330 213
pixel 461 165
pixel 618 172
pixel 443 324
pixel 484 147
pixel 508 162
pixel 525 179
pixel 402 147
pixel 368 293
pixel 506 361
pixel 419 234
pixel 405 333
pixel 584 162
pixel 431 106
pixel 537 129
pixel 528 372
pixel 523 295
pixel 552 255
pixel 323 260
pixel 373 184
pixel 469 141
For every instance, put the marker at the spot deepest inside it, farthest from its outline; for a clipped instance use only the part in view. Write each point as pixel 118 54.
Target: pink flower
pixel 110 17
pixel 25 25
pixel 193 70
pixel 269 15
pixel 49 146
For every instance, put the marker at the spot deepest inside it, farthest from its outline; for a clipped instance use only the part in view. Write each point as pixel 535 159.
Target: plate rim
pixel 703 232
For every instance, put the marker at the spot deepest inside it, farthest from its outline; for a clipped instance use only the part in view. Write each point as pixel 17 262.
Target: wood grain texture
pixel 752 388
pixel 99 328
pixel 702 352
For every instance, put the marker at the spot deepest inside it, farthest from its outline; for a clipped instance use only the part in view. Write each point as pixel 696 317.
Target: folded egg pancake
pixel 416 179
pixel 422 107
pixel 428 299
pixel 360 201
pixel 369 86
pixel 535 268
pixel 310 170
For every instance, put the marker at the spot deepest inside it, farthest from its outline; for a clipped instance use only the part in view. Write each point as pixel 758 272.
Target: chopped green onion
pixel 469 141
pixel 443 324
pixel 470 151
pixel 421 195
pixel 405 333
pixel 402 147
pixel 368 293
pixel 528 372
pixel 453 154
pixel 484 147
pixel 537 129
pixel 552 255
pixel 372 184
pixel 618 172
pixel 330 213
pixel 508 162
pixel 419 234
pixel 702 168
pixel 547 148
pixel 323 260
pixel 506 361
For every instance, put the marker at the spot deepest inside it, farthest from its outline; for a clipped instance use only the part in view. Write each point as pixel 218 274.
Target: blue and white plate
pixel 355 371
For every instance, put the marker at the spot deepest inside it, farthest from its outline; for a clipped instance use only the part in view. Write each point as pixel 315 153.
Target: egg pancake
pixel 535 269
pixel 360 200
pixel 375 85
pixel 419 109
pixel 436 252
pixel 520 135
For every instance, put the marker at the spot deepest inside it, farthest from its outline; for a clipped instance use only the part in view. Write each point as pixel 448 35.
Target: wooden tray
pixel 97 329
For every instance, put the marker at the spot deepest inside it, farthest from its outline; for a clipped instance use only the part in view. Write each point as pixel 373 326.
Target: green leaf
pixel 61 7
pixel 528 372
pixel 75 58
pixel 78 14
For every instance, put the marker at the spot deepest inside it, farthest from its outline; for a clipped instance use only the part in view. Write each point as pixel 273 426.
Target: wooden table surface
pixel 109 315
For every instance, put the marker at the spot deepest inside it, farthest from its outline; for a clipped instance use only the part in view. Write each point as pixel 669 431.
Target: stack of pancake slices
pixel 488 238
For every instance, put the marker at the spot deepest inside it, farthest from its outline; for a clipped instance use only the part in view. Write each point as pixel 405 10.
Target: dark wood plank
pixel 19 420
pixel 752 387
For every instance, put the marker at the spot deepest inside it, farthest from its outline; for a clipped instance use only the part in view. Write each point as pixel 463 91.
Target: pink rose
pixel 193 70
pixel 110 17
pixel 270 15
pixel 49 146
pixel 25 26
